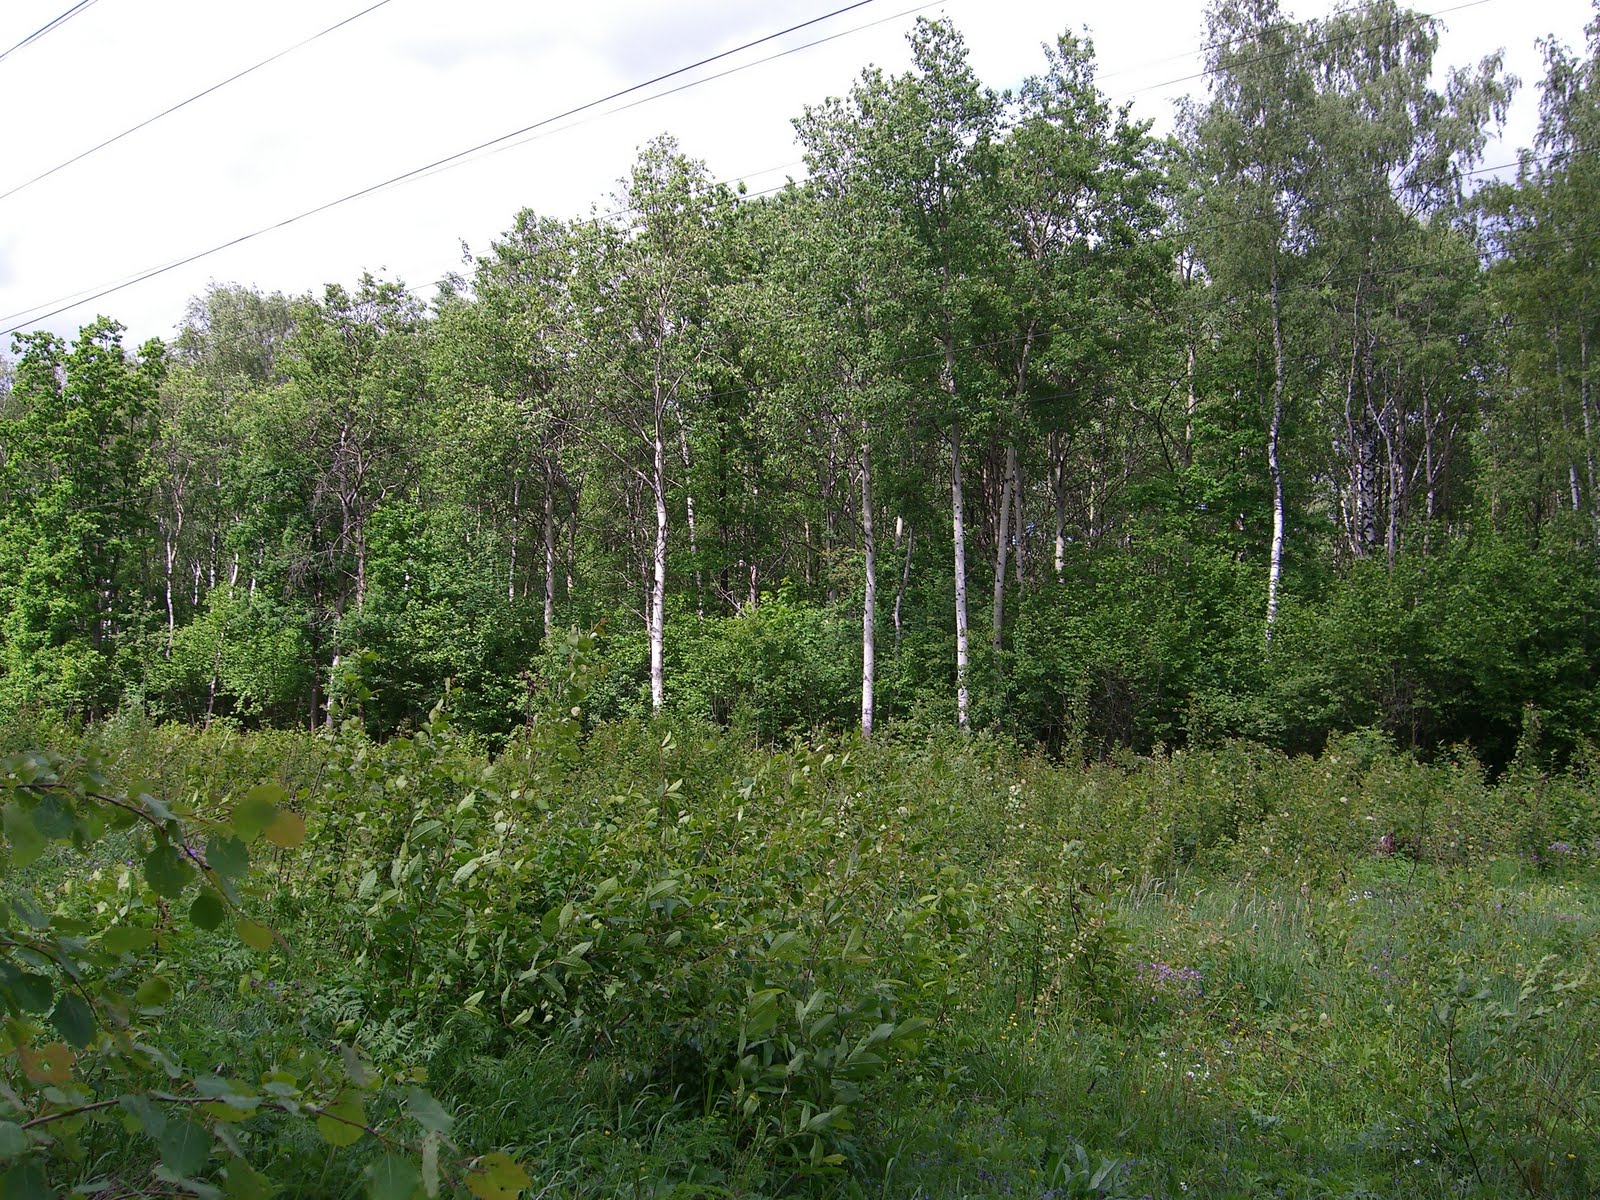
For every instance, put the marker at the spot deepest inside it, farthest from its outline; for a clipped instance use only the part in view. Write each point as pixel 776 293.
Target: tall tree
pixel 325 449
pixel 918 150
pixel 73 527
pixel 1251 151
pixel 1544 230
pixel 646 286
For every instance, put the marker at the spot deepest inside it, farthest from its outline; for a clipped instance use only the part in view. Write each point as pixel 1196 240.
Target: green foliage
pixel 72 528
pixel 110 891
pixel 624 920
pixel 646 953
pixel 777 669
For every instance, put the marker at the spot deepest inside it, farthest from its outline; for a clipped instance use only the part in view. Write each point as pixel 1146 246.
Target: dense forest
pixel 1008 416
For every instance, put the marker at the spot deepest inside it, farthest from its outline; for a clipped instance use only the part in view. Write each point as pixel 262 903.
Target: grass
pixel 1195 975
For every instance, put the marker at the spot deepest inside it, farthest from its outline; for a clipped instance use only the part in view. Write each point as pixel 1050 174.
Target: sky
pixel 415 81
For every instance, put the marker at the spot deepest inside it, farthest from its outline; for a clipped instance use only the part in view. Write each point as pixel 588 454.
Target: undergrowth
pixel 648 960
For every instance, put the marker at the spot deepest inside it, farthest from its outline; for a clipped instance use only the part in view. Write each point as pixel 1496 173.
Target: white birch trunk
pixel 869 606
pixel 905 576
pixel 1058 490
pixel 1274 469
pixel 658 590
pixel 1019 515
pixel 1002 546
pixel 694 544
pixel 172 622
pixel 549 551
pixel 511 567
pixel 958 521
pixel 1191 404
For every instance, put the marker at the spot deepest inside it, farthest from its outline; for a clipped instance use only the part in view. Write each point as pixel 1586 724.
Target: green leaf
pixel 151 1119
pixel 255 935
pixel 53 818
pixel 74 1019
pixel 144 792
pixel 154 992
pixel 125 939
pixel 427 1112
pixel 33 993
pixel 341 1123
pixel 228 857
pixel 286 831
pixel 497 1177
pixel 257 810
pixel 393 1178
pixel 185 1147
pixel 25 1182
pixel 354 1067
pixel 244 1182
pixel 166 871
pixel 208 911
pixel 788 946
pixel 26 841
pixel 12 1140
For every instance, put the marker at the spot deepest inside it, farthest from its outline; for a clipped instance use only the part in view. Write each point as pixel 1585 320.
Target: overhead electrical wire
pixel 693 83
pixel 53 23
pixel 1409 19
pixel 429 167
pixel 544 127
pixel 167 112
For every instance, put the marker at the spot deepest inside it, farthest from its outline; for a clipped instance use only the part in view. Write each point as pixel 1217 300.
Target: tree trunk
pixel 959 529
pixel 172 621
pixel 549 549
pixel 511 568
pixel 1002 545
pixel 1190 406
pixel 658 591
pixel 869 607
pixel 1058 494
pixel 1274 469
pixel 905 577
pixel 694 544
pixel 1018 514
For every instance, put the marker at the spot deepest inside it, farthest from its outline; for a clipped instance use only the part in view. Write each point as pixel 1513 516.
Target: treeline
pixel 1009 415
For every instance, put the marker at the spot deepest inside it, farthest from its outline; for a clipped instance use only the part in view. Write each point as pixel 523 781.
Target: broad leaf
pixel 185 1147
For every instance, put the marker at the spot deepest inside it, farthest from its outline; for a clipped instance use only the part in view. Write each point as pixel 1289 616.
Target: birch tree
pixel 918 151
pixel 646 284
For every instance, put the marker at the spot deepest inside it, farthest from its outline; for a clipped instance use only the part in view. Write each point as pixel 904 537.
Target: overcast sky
pixel 417 80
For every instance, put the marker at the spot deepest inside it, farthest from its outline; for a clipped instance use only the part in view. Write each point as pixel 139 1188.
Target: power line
pixel 692 84
pixel 53 23
pixel 431 166
pixel 545 127
pixel 1209 71
pixel 167 112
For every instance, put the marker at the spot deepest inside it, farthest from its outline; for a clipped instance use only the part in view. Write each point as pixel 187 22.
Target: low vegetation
pixel 648 959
